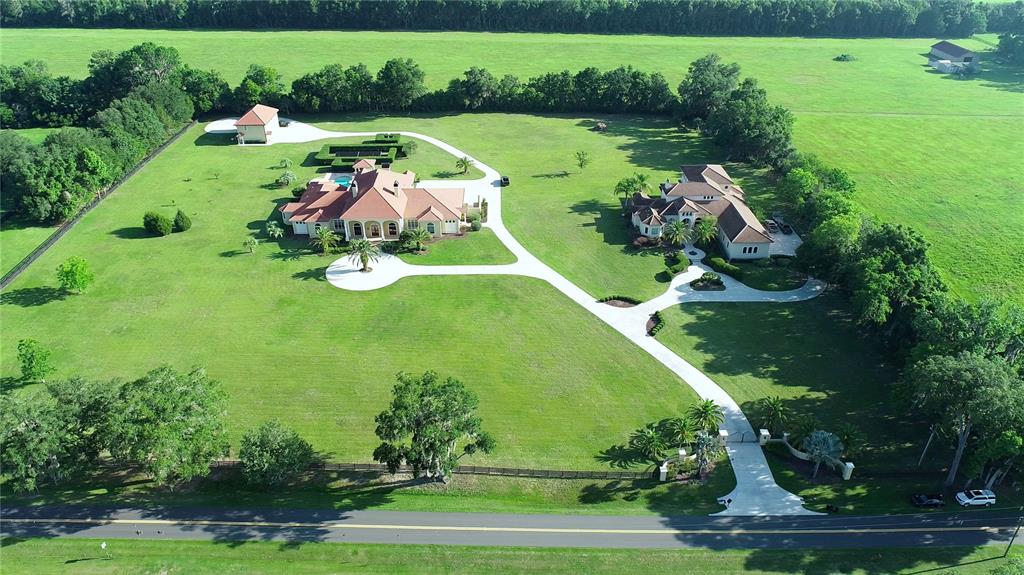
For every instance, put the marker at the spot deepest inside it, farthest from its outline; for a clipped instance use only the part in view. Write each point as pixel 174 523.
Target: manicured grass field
pixel 481 247
pixel 18 239
pixel 939 154
pixel 809 353
pixel 350 491
pixel 84 557
pixel 552 379
pixel 571 219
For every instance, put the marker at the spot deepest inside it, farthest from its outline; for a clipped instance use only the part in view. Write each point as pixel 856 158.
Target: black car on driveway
pixel 504 181
pixel 927 501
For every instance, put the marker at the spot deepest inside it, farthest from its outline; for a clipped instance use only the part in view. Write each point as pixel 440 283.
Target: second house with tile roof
pixel 702 191
pixel 377 205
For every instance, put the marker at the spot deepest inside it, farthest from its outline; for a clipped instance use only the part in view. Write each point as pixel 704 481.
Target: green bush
pixel 474 217
pixel 845 58
pixel 182 222
pixel 475 225
pixel 722 266
pixel 157 224
pixel 624 298
pixel 297 191
pixel 659 323
pixel 678 265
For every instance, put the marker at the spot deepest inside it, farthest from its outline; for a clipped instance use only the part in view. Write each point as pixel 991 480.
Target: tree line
pixel 128 106
pixel 880 18
pixel 171 426
pixel 962 368
pixel 132 101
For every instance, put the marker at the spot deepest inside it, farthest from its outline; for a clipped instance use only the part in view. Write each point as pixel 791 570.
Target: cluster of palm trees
pixel 676 233
pixel 698 427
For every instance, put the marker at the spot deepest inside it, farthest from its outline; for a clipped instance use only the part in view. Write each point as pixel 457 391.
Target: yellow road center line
pixel 286 525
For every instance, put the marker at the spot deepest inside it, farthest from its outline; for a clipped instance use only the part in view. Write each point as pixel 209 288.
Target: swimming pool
pixel 343 179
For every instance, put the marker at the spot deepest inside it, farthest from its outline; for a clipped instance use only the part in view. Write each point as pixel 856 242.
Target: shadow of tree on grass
pixel 34 296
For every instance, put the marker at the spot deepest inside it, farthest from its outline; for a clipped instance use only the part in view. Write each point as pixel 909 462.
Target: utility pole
pixel 1020 516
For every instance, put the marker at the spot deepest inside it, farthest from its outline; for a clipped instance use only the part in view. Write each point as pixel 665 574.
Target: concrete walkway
pixel 756 492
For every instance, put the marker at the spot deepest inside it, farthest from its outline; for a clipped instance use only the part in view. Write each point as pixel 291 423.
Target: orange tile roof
pixel 259 115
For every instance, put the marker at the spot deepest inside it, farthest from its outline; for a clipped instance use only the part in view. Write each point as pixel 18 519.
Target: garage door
pixel 451 227
pixel 300 229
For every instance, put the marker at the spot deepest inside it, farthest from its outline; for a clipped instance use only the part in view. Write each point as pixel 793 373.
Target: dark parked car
pixel 786 228
pixel 927 501
pixel 284 123
pixel 504 181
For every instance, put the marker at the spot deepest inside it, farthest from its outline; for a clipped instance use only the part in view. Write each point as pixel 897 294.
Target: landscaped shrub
pixel 475 225
pixel 157 223
pixel 297 191
pixel 644 242
pixel 659 323
pixel 182 222
pixel 845 58
pixel 722 266
pixel 286 179
pixel 624 298
pixel 708 281
pixel 676 264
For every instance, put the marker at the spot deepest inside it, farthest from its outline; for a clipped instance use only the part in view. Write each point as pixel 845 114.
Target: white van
pixel 976 497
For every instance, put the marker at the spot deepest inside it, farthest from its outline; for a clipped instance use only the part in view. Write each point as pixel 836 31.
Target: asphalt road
pixel 492 529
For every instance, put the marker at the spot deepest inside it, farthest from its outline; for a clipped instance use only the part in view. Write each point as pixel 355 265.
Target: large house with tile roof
pixel 377 205
pixel 702 191
pixel 257 125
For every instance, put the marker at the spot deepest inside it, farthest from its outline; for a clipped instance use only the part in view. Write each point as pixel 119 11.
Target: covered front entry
pixel 374 230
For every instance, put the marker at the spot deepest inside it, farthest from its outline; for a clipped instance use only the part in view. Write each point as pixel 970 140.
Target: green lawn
pixel 17 239
pixel 571 220
pixel 810 353
pixel 286 344
pixel 481 247
pixel 428 161
pixel 346 491
pixel 84 557
pixel 939 154
pixel 34 135
pixel 775 274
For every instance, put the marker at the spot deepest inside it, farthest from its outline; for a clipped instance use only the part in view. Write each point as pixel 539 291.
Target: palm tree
pixel 676 233
pixel 642 182
pixel 851 438
pixel 801 427
pixel 326 240
pixel 706 230
pixel 706 450
pixel 251 244
pixel 464 164
pixel 419 236
pixel 822 447
pixel 363 252
pixel 706 415
pixel 680 430
pixel 649 442
pixel 774 413
pixel 274 230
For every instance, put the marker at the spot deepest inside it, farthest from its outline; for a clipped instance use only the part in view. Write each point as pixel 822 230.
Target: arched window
pixel 430 227
pixel 374 230
pixel 357 229
pixel 392 229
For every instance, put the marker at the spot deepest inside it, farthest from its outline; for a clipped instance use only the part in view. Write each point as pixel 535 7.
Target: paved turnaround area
pixel 756 492
pixel 496 529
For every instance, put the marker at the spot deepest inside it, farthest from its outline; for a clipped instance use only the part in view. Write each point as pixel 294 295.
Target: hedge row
pixel 722 266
